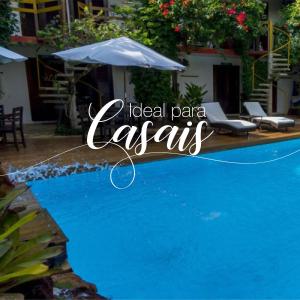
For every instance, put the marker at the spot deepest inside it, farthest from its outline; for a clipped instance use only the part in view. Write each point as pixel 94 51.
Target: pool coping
pixel 210 149
pixel 44 220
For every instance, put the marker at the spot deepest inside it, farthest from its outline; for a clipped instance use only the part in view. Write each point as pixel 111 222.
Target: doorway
pixel 227 87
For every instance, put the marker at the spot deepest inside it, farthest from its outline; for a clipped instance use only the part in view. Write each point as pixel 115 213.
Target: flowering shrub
pixel 213 21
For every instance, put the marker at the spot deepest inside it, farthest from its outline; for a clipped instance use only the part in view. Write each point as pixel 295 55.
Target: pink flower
pixel 231 11
pixel 177 28
pixel 172 2
pixel 165 12
pixel 241 18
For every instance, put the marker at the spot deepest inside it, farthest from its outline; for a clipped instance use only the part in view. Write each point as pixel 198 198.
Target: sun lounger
pixel 259 117
pixel 218 120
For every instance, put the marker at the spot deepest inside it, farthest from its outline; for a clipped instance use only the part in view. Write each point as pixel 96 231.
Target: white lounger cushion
pixel 239 124
pixel 260 117
pixel 255 109
pixel 217 118
pixel 214 112
pixel 276 122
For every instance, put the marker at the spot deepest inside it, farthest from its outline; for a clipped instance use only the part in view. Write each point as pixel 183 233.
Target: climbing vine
pixel 7 21
pixel 291 22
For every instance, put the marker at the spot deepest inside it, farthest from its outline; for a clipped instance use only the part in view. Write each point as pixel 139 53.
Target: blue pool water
pixel 186 228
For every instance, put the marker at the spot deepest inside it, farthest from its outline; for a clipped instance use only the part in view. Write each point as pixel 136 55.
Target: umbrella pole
pixel 125 88
pixel 125 95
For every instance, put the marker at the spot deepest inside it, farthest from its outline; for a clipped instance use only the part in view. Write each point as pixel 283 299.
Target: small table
pixel 246 118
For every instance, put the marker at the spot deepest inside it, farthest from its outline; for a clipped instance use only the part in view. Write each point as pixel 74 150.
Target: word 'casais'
pixel 184 139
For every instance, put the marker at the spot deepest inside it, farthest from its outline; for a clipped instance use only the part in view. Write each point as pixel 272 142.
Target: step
pixel 277 72
pixel 265 84
pixel 55 89
pixel 282 74
pixel 262 90
pixel 259 95
pixel 281 60
pixel 65 75
pixel 55 101
pixel 281 69
pixel 258 100
pixel 280 65
pixel 62 82
pixel 276 54
pixel 53 95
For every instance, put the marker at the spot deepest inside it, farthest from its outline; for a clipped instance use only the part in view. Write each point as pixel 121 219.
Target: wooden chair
pixel 85 121
pixel 12 123
pixel 106 129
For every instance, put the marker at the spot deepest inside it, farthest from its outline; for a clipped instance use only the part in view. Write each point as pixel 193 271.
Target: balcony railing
pixel 102 13
pixel 38 6
pixel 38 13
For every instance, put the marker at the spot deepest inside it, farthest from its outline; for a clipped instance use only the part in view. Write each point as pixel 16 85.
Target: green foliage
pixel 193 96
pixel 21 261
pixel 247 62
pixel 152 87
pixel 147 25
pixel 213 21
pixel 82 32
pixel 291 21
pixel 7 21
pixel 261 71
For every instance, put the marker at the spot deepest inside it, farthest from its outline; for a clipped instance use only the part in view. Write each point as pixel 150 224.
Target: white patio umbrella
pixel 7 56
pixel 122 52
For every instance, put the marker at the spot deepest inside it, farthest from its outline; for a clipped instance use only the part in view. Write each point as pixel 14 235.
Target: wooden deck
pixel 42 224
pixel 42 146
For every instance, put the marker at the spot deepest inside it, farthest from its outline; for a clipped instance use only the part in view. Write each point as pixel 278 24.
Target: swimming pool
pixel 186 228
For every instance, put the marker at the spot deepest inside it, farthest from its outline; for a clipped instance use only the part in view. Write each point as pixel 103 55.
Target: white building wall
pixel 285 86
pixel 13 84
pixel 274 10
pixel 284 95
